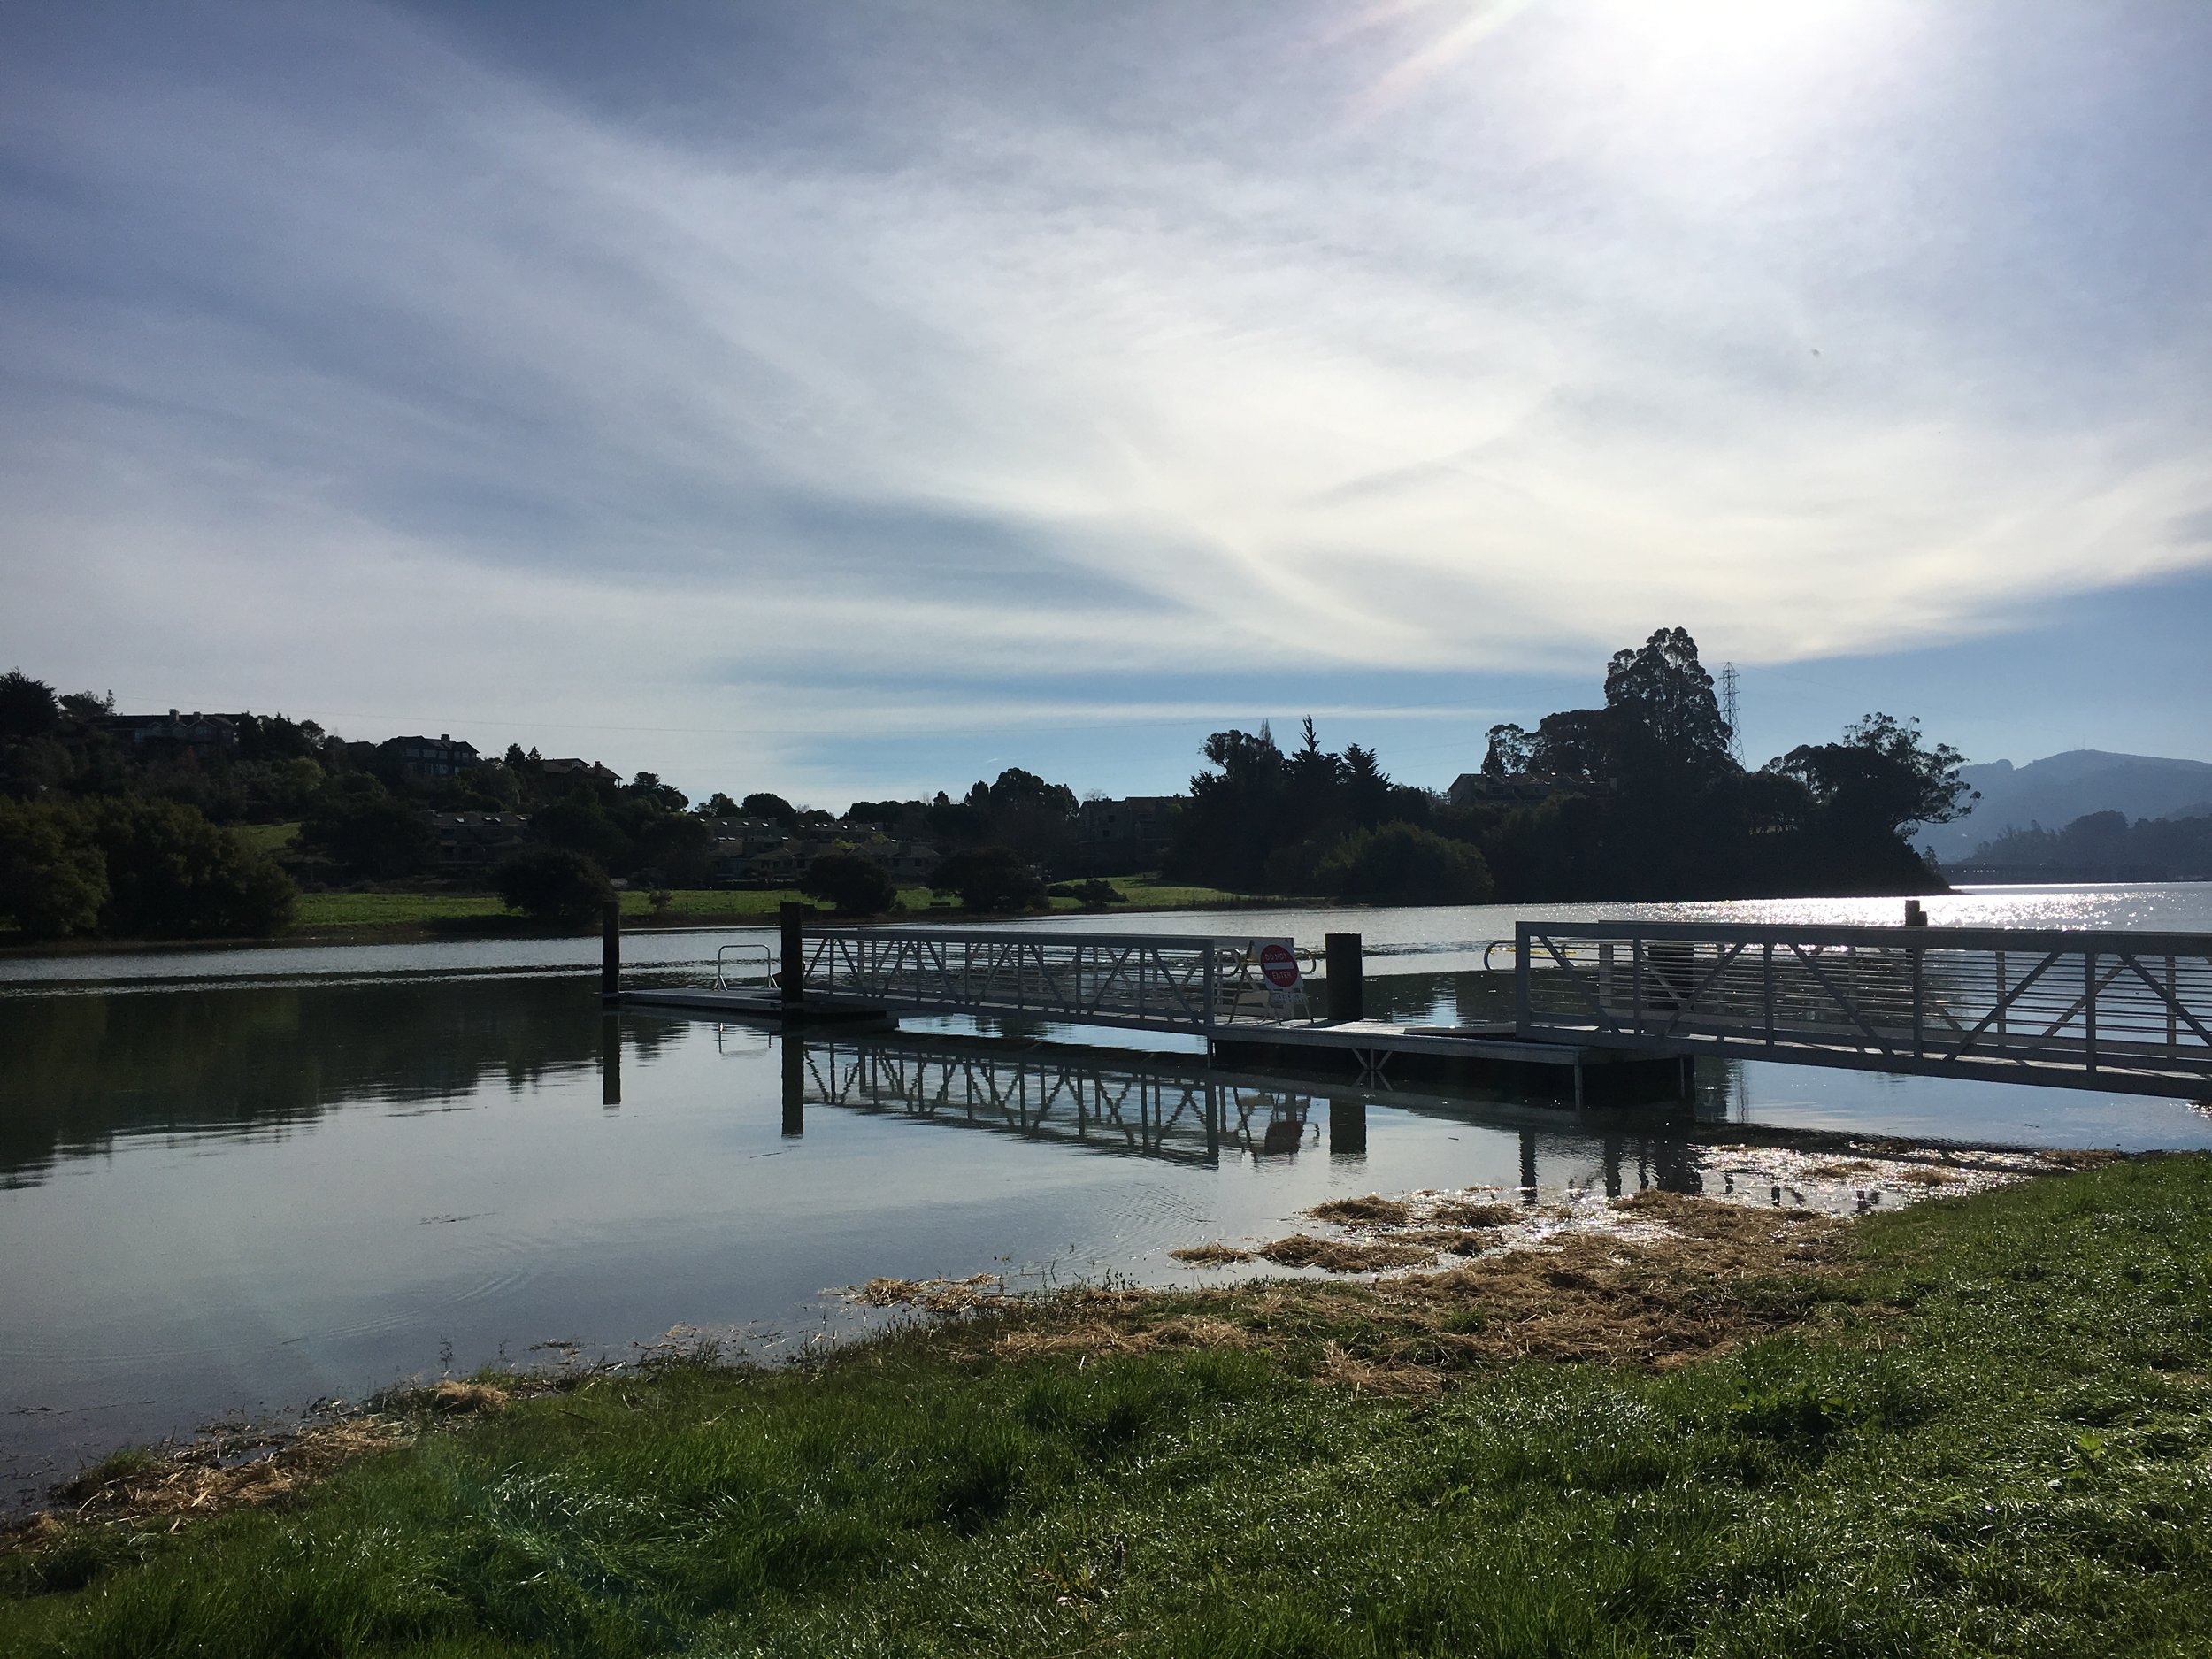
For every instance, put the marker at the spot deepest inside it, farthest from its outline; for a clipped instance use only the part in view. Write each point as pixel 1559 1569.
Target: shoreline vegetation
pixel 1979 1424
pixel 407 917
pixel 219 827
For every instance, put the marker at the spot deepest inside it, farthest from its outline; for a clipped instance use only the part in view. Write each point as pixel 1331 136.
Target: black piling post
pixel 792 979
pixel 1915 916
pixel 1347 1126
pixel 1348 993
pixel 794 1083
pixel 611 951
pixel 611 1058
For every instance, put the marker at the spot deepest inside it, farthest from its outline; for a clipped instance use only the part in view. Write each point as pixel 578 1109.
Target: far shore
pixel 427 919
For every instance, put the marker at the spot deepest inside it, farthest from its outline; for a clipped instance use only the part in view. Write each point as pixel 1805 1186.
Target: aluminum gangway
pixel 2125 1012
pixel 1194 984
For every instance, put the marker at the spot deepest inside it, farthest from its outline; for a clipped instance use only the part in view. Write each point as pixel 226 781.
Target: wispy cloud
pixel 370 364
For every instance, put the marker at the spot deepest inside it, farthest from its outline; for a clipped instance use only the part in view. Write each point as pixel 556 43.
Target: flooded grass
pixel 1978 1424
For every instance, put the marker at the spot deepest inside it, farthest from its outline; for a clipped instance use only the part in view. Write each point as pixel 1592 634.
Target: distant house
pixel 1122 837
pixel 202 732
pixel 426 759
pixel 476 840
pixel 748 852
pixel 910 863
pixel 590 768
pixel 1475 788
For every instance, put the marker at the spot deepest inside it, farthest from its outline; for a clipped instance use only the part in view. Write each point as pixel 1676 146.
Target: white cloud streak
pixel 429 384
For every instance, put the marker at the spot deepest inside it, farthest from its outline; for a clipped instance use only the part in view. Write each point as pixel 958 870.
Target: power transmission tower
pixel 1728 711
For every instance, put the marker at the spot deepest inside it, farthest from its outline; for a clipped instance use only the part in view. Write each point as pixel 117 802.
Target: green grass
pixel 334 911
pixel 268 838
pixel 1990 1437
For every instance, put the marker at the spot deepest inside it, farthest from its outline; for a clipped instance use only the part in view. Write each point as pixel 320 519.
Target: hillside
pixel 2058 789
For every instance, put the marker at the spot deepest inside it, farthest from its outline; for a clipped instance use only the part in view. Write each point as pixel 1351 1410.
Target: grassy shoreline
pixel 348 918
pixel 1980 1424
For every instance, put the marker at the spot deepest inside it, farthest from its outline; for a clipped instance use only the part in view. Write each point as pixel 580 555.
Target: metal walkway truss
pixel 2120 1011
pixel 1155 982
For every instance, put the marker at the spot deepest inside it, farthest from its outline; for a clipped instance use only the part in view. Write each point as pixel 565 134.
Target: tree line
pixel 2105 845
pixel 1638 798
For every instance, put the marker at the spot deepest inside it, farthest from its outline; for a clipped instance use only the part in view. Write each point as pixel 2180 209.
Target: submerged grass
pixel 1979 1425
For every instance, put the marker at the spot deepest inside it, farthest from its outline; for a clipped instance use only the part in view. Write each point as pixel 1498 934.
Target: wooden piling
pixel 1348 1126
pixel 1348 993
pixel 611 951
pixel 794 1082
pixel 792 979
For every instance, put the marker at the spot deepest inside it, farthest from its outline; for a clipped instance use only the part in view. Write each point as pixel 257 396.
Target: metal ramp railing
pixel 2129 1012
pixel 1160 982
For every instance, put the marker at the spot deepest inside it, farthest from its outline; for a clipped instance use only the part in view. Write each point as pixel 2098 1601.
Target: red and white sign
pixel 1278 966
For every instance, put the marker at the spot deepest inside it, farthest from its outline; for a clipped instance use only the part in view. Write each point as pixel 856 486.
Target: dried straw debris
pixel 931 1295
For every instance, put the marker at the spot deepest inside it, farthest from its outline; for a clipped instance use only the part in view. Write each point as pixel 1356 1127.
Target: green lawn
pixel 1986 1431
pixel 332 912
pixel 268 838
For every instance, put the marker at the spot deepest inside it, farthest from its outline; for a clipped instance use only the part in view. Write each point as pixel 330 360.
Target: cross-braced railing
pixel 1156 981
pixel 1152 1112
pixel 2130 1012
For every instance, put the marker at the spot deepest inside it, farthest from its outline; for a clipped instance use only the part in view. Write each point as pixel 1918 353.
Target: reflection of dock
pixel 1184 1111
pixel 1082 1096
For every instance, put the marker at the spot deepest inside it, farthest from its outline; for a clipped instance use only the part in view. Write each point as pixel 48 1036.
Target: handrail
pixel 721 970
pixel 2103 1009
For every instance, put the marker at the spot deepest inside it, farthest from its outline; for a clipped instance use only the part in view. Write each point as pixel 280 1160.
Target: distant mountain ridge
pixel 2059 788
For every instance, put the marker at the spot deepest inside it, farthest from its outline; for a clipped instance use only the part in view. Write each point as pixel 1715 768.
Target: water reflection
pixel 82 1072
pixel 1184 1110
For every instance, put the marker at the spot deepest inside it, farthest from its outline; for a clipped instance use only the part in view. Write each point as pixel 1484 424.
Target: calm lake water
pixel 232 1183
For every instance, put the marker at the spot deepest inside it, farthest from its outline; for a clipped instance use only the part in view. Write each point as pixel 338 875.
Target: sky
pixel 853 400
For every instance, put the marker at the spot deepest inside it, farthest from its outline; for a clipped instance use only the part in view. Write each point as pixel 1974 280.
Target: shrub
pixel 1403 864
pixel 170 874
pixel 53 880
pixel 990 878
pixel 851 884
pixel 554 884
pixel 372 832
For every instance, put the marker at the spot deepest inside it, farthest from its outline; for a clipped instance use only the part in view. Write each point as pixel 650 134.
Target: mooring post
pixel 794 1083
pixel 611 951
pixel 792 981
pixel 1347 1126
pixel 1915 916
pixel 1348 994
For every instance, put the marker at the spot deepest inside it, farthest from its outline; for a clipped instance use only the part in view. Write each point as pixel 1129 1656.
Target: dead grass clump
pixel 1837 1171
pixel 1750 1225
pixel 1369 1376
pixel 932 1295
pixel 1928 1178
pixel 2079 1158
pixel 1450 1241
pixel 1107 1336
pixel 212 1475
pixel 1374 1210
pixel 1344 1255
pixel 1209 1254
pixel 1700 1276
pixel 1464 1215
pixel 450 1398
